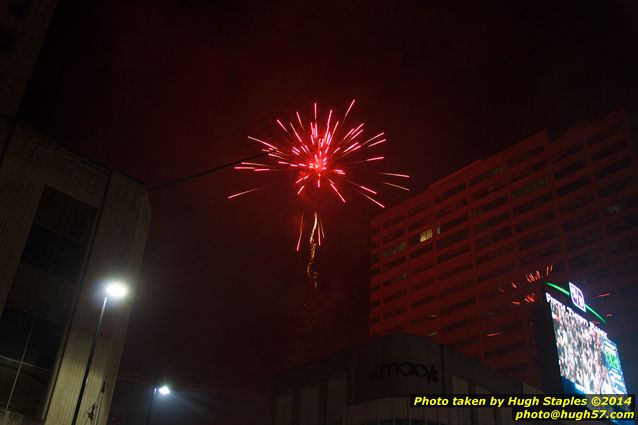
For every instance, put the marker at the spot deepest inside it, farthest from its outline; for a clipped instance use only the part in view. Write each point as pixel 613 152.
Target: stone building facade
pixel 66 226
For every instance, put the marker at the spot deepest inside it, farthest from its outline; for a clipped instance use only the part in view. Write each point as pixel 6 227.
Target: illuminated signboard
pixel 577 297
pixel 588 360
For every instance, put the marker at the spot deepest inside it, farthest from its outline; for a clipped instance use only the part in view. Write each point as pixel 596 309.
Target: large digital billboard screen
pixel 588 360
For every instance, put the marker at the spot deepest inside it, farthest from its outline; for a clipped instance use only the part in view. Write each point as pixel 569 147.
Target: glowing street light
pixel 164 390
pixel 114 290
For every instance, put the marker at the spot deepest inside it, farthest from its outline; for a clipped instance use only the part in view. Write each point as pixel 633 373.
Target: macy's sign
pixel 420 370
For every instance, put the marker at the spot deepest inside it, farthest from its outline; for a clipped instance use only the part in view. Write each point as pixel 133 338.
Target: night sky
pixel 163 89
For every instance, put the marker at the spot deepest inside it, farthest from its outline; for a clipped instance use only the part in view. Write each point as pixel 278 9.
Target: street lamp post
pixel 163 390
pixel 114 290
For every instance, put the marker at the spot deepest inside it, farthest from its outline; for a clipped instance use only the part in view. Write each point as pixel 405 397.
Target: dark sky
pixel 162 89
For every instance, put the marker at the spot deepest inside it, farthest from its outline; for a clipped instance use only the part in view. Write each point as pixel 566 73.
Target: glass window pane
pixel 8 371
pixel 30 391
pixel 52 209
pixel 68 259
pixel 40 247
pixel 19 7
pixel 58 299
pixel 79 221
pixel 44 343
pixel 28 287
pixel 14 331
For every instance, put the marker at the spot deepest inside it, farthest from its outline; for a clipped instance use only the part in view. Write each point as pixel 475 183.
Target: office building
pixel 370 384
pixel 66 226
pixel 463 262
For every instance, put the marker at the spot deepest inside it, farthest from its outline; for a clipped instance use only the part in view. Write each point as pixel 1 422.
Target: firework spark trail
pixel 323 157
pixel 313 275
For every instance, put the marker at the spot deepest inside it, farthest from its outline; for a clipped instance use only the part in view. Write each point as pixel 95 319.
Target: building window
pixel 421 251
pixel 7 40
pixel 41 297
pixel 451 224
pixel 500 310
pixel 453 238
pixel 495 253
pixel 451 207
pixel 456 325
pixel 617 186
pixel 534 203
pixel 569 169
pixel 476 212
pixel 419 223
pixel 421 268
pixel 492 238
pixel 488 190
pixel 621 205
pixel 394 296
pixel 538 237
pixel 584 239
pixel 612 168
pixel 394 312
pixel 421 207
pixel 393 221
pixel 605 134
pixel 486 175
pixel 491 222
pixel 394 235
pixel 622 224
pixel 524 156
pixel 572 186
pixel 422 284
pixel 528 171
pixel 567 152
pixel 530 187
pixel 535 221
pixel 394 250
pixel 424 236
pixel 456 288
pixel 498 272
pixel 588 258
pixel 422 319
pixel 457 306
pixel 423 301
pixel 542 253
pixel 504 350
pixel 395 279
pixel 514 326
pixel 394 263
pixel 18 7
pixel 577 203
pixel 604 153
pixel 581 221
pixel 446 195
pixel 465 342
pixel 453 253
pixel 624 246
pixel 455 271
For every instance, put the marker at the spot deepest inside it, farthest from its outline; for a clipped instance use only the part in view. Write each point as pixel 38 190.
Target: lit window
pixel 426 235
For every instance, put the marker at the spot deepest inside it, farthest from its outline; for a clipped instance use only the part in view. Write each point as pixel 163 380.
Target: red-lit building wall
pixel 454 261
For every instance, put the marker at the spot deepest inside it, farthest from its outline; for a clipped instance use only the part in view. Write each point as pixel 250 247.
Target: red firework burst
pixel 323 156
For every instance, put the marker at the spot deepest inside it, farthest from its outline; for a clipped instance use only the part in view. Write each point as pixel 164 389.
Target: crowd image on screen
pixel 581 351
